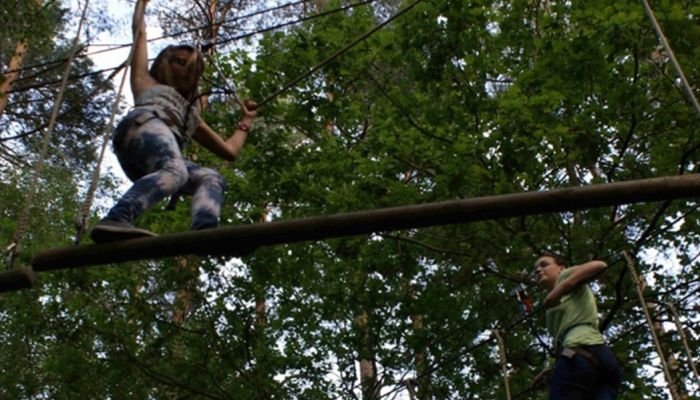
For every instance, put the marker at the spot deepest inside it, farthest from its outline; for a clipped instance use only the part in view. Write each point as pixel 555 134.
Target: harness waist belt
pixel 570 352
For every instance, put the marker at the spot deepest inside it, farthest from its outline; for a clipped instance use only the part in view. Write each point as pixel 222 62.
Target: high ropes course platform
pixel 244 239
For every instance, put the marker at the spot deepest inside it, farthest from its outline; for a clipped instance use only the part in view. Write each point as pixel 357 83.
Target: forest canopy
pixel 455 99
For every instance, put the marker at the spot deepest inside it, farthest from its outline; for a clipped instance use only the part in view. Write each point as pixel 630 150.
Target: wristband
pixel 243 127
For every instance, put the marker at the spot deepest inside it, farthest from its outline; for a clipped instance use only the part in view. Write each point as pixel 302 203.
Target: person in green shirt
pixel 584 368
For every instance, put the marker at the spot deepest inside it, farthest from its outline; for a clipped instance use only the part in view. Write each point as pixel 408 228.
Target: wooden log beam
pixel 17 279
pixel 243 239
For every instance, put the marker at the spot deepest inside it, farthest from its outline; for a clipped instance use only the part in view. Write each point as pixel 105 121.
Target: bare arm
pixel 230 148
pixel 140 77
pixel 579 275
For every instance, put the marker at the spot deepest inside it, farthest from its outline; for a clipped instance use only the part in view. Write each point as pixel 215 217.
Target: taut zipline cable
pixel 235 38
pixel 78 104
pixel 175 34
pixel 338 53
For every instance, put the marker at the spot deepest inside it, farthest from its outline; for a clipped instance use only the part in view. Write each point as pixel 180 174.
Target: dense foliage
pixel 456 99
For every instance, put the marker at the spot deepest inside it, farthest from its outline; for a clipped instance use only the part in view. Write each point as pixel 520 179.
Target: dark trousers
pixel 577 378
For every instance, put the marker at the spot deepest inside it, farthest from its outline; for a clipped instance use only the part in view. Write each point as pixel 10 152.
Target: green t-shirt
pixel 576 309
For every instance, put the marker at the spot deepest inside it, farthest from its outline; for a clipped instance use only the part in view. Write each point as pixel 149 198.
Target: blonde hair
pixel 161 72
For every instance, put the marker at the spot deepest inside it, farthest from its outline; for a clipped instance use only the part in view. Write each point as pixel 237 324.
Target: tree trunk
pixel 368 366
pixel 13 67
pixel 420 361
pixel 260 353
pixel 419 388
pixel 211 34
pixel 183 297
pixel 262 375
pixel 12 73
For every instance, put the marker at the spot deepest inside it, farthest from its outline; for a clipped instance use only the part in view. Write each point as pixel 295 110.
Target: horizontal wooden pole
pixel 242 239
pixel 16 279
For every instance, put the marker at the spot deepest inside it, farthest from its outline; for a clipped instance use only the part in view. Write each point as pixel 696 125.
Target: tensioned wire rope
pixel 339 52
pixel 224 23
pixel 332 57
pixel 174 34
pixel 235 38
pixel 115 70
pixel 16 245
pixel 78 104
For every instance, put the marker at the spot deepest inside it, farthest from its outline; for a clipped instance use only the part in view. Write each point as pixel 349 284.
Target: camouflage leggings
pixel 150 156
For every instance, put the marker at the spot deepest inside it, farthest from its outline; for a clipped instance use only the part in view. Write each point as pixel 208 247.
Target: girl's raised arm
pixel 140 77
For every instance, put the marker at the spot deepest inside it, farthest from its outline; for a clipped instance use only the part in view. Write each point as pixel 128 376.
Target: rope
pixel 504 361
pixel 81 220
pixel 16 246
pixel 180 33
pixel 669 50
pixel 657 343
pixel 684 339
pixel 235 38
pixel 224 23
pixel 339 52
pixel 229 88
pixel 294 22
pixel 78 104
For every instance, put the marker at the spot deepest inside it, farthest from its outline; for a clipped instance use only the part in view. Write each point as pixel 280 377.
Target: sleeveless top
pixel 165 103
pixel 575 318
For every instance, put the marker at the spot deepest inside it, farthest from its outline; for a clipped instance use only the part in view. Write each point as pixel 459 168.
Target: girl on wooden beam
pixel 584 368
pixel 148 140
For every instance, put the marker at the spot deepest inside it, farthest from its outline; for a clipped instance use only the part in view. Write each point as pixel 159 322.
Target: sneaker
pixel 109 231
